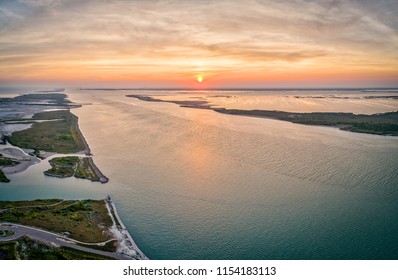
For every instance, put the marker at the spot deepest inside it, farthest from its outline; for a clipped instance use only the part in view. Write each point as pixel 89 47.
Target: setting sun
pixel 200 78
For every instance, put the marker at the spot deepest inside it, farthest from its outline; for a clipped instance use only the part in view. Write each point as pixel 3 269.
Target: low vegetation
pixel 5 233
pixel 3 177
pixel 58 99
pixel 5 162
pixel 84 220
pixel 8 251
pixel 27 249
pixel 58 133
pixel 29 203
pixel 86 171
pixel 62 166
pixel 80 167
pixel 382 124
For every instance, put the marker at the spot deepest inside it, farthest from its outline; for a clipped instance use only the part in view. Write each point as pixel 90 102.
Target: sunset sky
pixel 252 44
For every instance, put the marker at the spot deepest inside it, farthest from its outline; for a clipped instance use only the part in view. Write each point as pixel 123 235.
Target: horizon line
pixel 207 89
pixel 248 89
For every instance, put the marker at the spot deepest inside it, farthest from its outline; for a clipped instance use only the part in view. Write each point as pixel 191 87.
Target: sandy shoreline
pixel 103 179
pixel 127 245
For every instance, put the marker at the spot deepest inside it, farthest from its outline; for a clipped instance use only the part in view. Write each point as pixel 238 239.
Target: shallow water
pixel 195 184
pixel 356 102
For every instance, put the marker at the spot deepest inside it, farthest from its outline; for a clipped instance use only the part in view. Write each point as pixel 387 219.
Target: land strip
pixel 380 124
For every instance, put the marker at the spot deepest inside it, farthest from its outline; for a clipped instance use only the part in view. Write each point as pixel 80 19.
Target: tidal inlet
pixel 225 130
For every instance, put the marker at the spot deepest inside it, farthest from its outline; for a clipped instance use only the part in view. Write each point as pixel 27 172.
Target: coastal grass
pixel 85 220
pixel 6 233
pixel 29 203
pixel 86 171
pixel 54 99
pixel 5 162
pixel 8 250
pixel 80 167
pixel 381 124
pixel 25 248
pixel 62 167
pixel 3 177
pixel 59 133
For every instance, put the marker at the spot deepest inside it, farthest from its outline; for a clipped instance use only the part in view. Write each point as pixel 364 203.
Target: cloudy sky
pixel 251 43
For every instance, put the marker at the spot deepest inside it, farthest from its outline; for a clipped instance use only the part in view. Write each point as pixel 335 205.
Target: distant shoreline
pixel 385 124
pixel 252 89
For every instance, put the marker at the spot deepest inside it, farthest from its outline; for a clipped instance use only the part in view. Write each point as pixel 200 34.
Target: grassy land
pixel 86 171
pixel 60 135
pixel 72 166
pixel 28 203
pixel 27 249
pixel 381 124
pixel 5 162
pixel 5 233
pixel 85 220
pixel 62 166
pixel 3 178
pixel 59 99
pixel 8 251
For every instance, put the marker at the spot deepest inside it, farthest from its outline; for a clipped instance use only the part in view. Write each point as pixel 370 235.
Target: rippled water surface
pixel 196 184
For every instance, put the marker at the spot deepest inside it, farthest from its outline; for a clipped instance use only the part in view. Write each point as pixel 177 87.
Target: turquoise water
pixel 195 184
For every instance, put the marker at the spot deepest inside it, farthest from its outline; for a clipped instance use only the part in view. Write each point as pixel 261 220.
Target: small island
pixel 79 167
pixel 64 229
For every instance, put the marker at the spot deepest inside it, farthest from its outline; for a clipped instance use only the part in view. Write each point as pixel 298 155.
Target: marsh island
pixel 37 126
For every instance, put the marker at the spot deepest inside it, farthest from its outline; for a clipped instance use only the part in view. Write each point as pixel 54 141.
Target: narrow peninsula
pixel 380 124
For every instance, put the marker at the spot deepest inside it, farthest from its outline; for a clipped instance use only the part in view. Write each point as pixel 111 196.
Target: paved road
pixel 52 239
